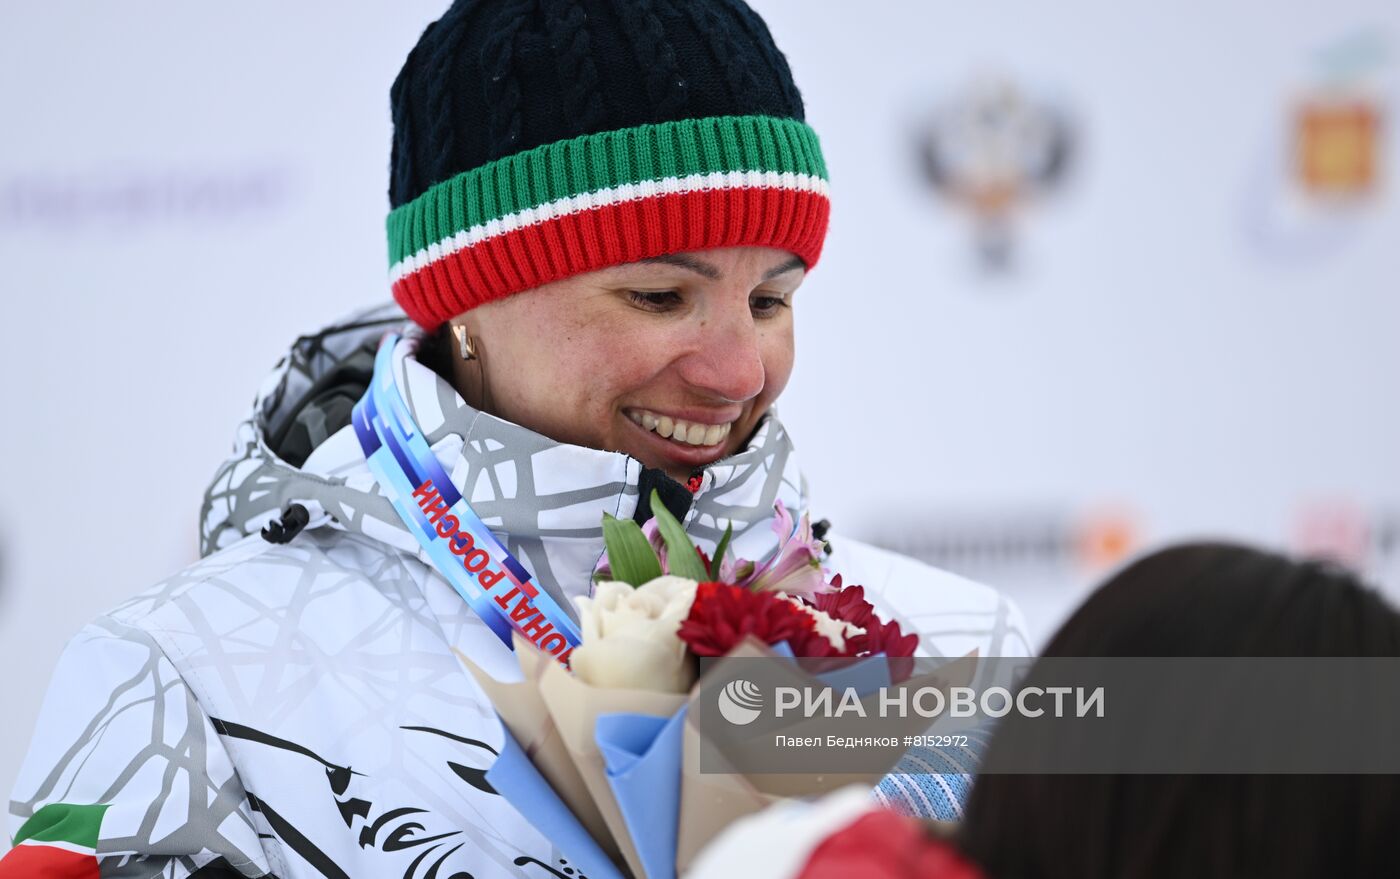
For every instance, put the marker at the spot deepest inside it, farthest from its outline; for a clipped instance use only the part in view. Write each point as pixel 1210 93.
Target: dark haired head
pixel 1201 600
pixel 1213 599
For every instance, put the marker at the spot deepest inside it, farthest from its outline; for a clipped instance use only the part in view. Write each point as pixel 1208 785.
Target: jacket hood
pixel 543 499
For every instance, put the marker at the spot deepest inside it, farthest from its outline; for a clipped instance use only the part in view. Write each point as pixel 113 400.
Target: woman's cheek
pixel 635 360
pixel 778 357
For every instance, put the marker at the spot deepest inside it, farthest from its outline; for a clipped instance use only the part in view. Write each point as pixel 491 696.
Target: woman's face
pixel 672 360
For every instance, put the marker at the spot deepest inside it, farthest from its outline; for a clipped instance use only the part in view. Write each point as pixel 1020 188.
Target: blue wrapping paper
pixel 517 780
pixel 642 755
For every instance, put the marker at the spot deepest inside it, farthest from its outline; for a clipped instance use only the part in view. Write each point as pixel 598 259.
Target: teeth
pixel 681 431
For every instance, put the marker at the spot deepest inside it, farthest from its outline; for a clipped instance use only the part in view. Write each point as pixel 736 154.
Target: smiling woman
pixel 673 359
pixel 601 211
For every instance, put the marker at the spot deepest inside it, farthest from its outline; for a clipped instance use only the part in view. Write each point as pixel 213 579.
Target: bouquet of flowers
pixel 599 755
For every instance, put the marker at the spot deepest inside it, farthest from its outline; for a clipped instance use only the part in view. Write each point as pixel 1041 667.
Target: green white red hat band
pixel 603 199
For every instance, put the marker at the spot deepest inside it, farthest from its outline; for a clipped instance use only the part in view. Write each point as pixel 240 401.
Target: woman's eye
pixel 654 300
pixel 768 306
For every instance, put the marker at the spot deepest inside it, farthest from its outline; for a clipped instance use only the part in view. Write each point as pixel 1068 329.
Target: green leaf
pixel 720 550
pixel 681 557
pixel 630 556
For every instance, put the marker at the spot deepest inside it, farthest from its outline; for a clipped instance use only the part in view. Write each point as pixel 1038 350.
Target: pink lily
pixel 795 569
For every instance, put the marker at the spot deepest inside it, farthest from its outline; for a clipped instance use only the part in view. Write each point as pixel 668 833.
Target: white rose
pixel 629 636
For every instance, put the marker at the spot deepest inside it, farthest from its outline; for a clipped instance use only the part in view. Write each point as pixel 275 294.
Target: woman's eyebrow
pixel 686 262
pixel 795 263
pixel 703 268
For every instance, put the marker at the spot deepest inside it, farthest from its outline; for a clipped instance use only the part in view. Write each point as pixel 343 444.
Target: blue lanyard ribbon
pixel 492 582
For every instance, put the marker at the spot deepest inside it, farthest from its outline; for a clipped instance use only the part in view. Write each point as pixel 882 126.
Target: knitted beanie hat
pixel 539 139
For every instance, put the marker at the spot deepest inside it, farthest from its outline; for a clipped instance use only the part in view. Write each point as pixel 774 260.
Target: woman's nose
pixel 727 358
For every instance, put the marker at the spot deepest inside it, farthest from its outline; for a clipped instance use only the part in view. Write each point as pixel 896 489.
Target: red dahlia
pixel 723 614
pixel 847 605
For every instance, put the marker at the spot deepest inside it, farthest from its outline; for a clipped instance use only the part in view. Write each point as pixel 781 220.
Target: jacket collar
pixel 544 498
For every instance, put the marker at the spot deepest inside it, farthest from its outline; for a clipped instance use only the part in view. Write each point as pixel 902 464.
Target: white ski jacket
pixel 295 710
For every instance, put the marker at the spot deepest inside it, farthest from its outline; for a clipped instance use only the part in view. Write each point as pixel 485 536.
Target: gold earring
pixel 466 343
